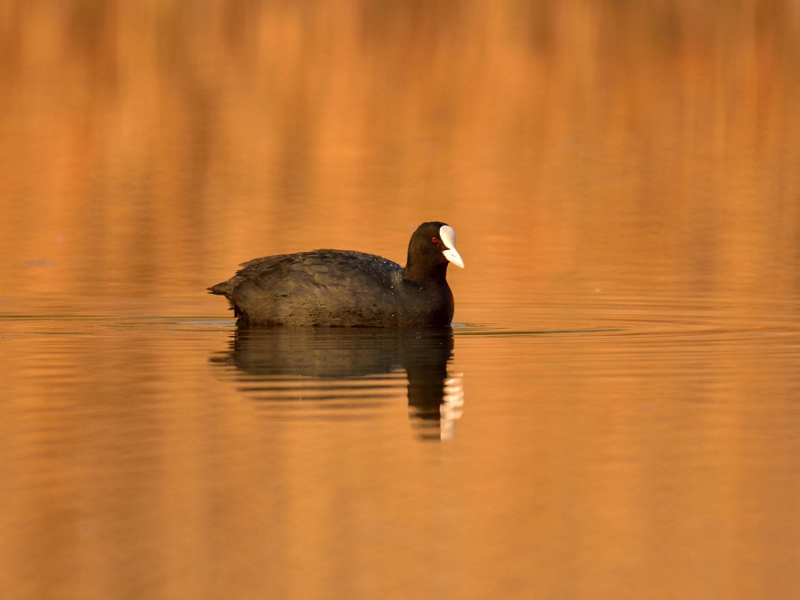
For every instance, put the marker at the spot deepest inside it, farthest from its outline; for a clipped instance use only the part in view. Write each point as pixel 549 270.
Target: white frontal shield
pixel 448 236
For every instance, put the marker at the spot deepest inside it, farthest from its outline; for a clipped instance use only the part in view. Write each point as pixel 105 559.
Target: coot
pixel 337 288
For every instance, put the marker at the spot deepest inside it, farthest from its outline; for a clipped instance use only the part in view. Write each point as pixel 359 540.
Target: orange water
pixel 617 412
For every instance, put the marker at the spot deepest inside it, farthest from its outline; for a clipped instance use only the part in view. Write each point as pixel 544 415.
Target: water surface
pixel 616 411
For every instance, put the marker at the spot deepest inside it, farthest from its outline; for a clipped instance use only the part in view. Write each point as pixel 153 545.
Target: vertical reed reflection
pixel 341 373
pixel 146 147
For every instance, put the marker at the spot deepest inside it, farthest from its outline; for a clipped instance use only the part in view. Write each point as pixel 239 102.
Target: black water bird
pixel 338 288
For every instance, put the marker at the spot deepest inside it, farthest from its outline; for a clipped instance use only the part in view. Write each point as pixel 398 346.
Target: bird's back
pixel 323 287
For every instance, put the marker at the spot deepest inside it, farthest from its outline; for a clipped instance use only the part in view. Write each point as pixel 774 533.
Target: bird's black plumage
pixel 338 288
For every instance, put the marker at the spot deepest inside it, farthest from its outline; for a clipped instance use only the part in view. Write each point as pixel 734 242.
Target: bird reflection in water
pixel 331 370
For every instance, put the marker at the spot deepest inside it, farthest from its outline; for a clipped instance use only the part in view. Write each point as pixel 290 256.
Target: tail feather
pixel 221 289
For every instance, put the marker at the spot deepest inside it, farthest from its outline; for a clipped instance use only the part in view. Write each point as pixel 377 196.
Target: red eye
pixel 435 240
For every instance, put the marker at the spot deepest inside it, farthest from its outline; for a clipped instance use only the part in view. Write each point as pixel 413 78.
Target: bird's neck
pixel 417 274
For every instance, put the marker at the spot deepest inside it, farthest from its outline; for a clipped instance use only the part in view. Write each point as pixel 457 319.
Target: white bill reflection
pixel 451 408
